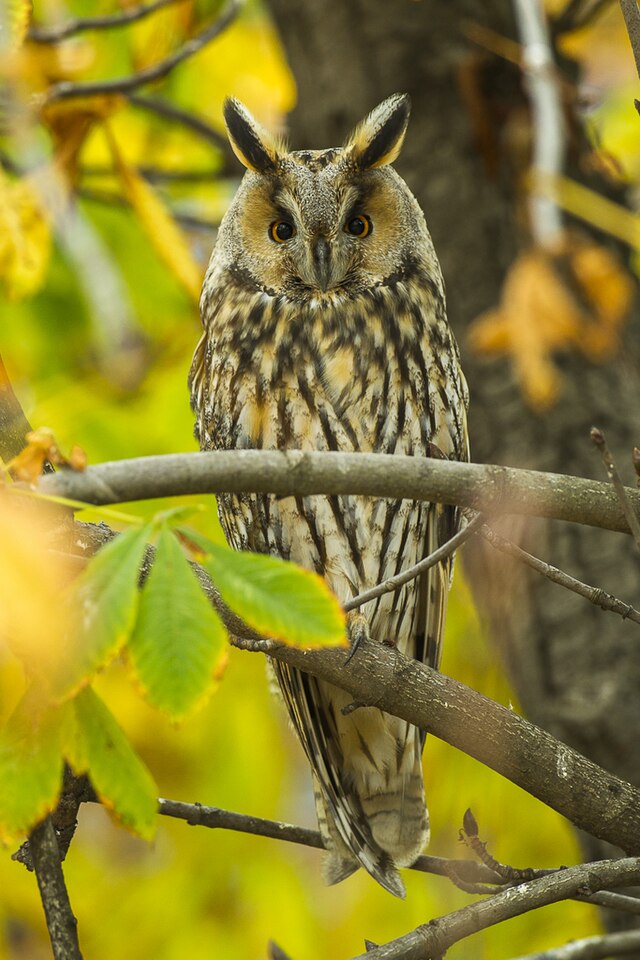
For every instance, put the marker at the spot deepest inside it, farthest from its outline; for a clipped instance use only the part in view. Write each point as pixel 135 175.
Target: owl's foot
pixel 357 630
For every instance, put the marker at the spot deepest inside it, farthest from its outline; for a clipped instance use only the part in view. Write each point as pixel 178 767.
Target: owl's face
pixel 325 224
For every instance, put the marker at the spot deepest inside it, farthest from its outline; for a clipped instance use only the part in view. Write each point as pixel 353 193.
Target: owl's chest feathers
pixel 363 374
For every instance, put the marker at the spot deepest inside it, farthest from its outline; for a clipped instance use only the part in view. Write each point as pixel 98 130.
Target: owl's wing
pixel 313 713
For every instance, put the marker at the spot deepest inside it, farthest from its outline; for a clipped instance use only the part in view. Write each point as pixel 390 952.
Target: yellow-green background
pixel 197 893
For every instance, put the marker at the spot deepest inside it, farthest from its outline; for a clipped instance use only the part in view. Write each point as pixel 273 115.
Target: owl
pixel 325 329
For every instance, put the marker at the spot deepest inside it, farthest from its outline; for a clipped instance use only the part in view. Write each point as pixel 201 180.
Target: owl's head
pixel 316 224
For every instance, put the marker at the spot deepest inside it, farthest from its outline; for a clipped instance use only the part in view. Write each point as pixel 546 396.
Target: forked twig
pixel 599 441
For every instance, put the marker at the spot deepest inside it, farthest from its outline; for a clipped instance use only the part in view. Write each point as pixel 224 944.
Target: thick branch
pixel 61 922
pixel 434 938
pixel 483 487
pixel 589 796
pixel 592 948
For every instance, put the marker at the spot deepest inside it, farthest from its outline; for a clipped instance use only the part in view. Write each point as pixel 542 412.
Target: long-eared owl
pixel 325 329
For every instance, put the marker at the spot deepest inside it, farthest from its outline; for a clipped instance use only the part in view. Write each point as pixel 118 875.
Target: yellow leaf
pixel 25 237
pixel 575 298
pixel 14 20
pixel 164 233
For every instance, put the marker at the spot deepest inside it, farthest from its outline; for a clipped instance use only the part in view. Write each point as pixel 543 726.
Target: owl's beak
pixel 321 257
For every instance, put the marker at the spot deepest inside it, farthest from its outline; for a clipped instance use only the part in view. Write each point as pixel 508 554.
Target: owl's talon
pixel 357 631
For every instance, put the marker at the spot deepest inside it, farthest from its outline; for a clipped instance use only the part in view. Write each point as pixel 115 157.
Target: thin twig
pixel 631 16
pixel 195 814
pixel 411 573
pixel 591 948
pixel 548 121
pixel 578 14
pixel 595 595
pixel 155 174
pixel 483 487
pixel 598 439
pixel 68 90
pixel 61 923
pixel 82 24
pixel 197 124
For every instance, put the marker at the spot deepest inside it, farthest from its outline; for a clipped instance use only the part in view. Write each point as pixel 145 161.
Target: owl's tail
pixel 381 822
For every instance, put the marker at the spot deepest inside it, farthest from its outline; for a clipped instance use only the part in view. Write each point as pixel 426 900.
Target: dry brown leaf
pixel 576 298
pixel 41 447
pixel 163 232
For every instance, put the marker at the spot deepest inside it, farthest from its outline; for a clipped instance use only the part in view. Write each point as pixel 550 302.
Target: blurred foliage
pixel 98 322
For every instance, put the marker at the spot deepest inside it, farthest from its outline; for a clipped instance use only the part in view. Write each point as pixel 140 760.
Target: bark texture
pixel 576 671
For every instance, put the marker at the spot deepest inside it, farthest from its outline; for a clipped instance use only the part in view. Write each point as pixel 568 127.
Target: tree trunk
pixel 576 669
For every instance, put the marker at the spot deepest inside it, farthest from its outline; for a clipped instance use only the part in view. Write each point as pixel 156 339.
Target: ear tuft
pixel 252 145
pixel 378 139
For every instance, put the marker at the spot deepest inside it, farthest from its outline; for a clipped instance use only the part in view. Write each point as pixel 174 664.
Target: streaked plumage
pixel 334 340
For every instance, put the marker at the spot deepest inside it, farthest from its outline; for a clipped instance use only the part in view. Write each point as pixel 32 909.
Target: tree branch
pixel 387 586
pixel 548 120
pixel 595 595
pixel 482 487
pixel 81 24
pixel 599 441
pixel 592 948
pixel 591 797
pixel 68 90
pixel 434 938
pixel 195 814
pixel 631 16
pixel 61 923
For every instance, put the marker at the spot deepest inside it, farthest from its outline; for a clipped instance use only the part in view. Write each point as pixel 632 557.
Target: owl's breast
pixel 375 374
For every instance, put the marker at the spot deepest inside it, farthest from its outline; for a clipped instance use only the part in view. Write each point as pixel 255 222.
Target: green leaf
pixel 103 607
pixel 118 775
pixel 278 599
pixel 178 645
pixel 31 762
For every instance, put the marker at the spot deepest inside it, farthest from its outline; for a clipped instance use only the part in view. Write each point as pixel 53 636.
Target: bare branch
pixel 195 814
pixel 592 798
pixel 598 439
pixel 169 111
pixel 412 572
pixel 579 13
pixel 68 90
pixel 434 938
pixel 61 922
pixel 82 24
pixel 631 16
pixel 482 487
pixel 548 120
pixel 592 948
pixel 594 594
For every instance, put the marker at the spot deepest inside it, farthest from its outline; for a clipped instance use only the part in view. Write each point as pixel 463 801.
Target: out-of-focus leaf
pixel 104 602
pixel 32 581
pixel 577 297
pixel 25 238
pixel 14 20
pixel 31 757
pixel 164 233
pixel 178 646
pixel 278 599
pixel 119 777
pixel 590 206
pixel 71 121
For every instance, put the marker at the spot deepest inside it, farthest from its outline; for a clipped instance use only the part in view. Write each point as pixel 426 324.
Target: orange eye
pixel 358 226
pixel 281 231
